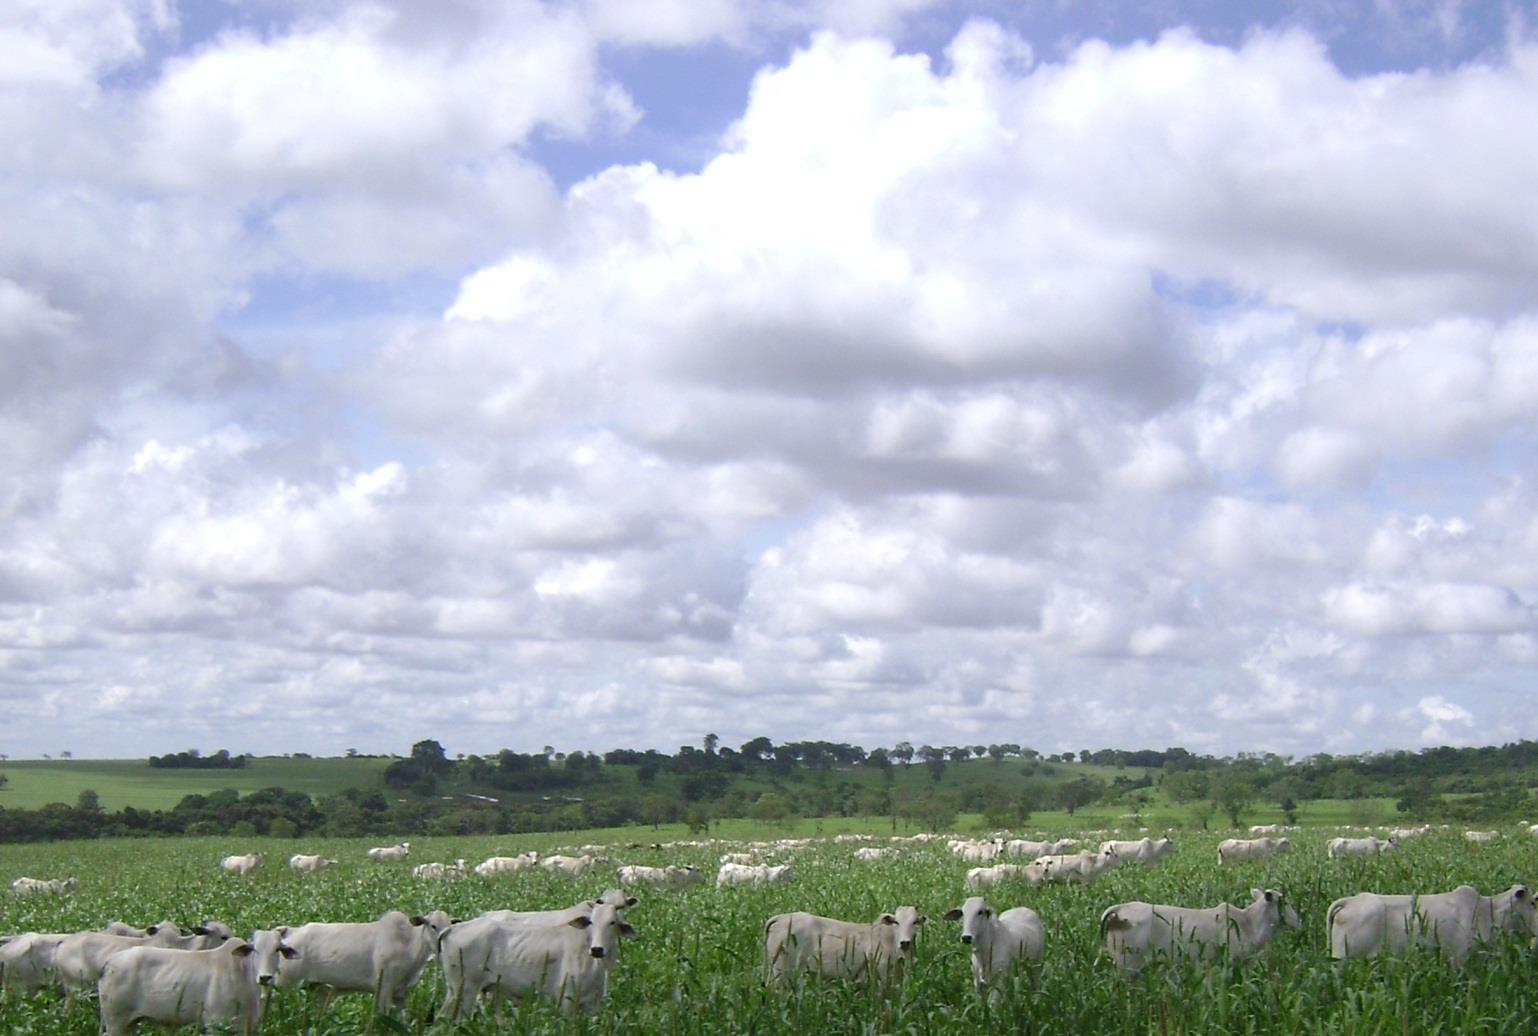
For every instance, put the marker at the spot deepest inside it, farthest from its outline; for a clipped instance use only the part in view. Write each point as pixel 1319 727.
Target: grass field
pixel 133 782
pixel 696 966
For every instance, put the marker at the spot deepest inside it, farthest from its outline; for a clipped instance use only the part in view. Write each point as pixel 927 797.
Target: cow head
pixel 1520 913
pixel 270 951
pixel 973 915
pixel 907 919
pixel 605 927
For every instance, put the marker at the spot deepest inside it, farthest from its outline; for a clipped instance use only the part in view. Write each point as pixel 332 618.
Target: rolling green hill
pixel 133 782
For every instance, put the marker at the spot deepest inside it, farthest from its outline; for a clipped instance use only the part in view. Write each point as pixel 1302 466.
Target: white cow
pixel 26 961
pixel 1367 924
pixel 241 865
pixel 1232 850
pixel 799 942
pixel 1135 933
pixel 747 858
pixel 439 871
pixel 987 877
pixel 871 852
pixel 1033 850
pixel 1369 846
pixel 494 865
pixel 732 874
pixel 176 987
pixel 568 962
pixel 43 886
pixel 1400 834
pixel 80 958
pixel 390 853
pixel 999 942
pixel 571 866
pixel 671 877
pixel 1148 852
pixel 977 852
pixel 384 957
pixel 1480 837
pixel 1083 866
pixel 309 864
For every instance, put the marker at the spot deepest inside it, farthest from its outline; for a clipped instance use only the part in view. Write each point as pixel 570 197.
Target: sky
pixel 607 373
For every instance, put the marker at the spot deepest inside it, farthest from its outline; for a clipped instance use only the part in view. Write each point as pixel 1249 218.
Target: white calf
pixel 494 865
pixel 1232 850
pixel 43 886
pixel 999 942
pixel 672 877
pixel 1370 846
pixel 439 871
pixel 1083 866
pixel 390 853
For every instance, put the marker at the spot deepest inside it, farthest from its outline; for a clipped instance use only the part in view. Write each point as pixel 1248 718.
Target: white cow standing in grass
pixel 494 865
pixel 241 865
pixel 1369 846
pixel 1368 924
pixel 384 957
pixel 43 886
pixel 1234 850
pixel 1148 852
pixel 731 874
pixel 999 942
pixel 390 853
pixel 1082 867
pixel 1135 933
pixel 303 864
pixel 799 942
pixel 671 877
pixel 567 962
pixel 184 987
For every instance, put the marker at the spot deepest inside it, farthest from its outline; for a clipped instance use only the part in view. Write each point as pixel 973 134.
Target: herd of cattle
pixel 207 975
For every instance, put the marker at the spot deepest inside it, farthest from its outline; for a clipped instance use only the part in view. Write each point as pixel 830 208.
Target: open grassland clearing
pixel 133 782
pixel 696 967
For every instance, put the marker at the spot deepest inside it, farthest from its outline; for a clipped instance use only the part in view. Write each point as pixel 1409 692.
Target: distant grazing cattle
pixel 731 874
pixel 43 886
pixel 438 871
pixel 1147 852
pixel 671 877
pixel 390 853
pixel 494 865
pixel 241 865
pixel 309 864
pixel 1234 850
pixel 1369 846
pixel 1082 867
pixel 1480 837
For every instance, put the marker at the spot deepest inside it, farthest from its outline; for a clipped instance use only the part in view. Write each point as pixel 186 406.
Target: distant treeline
pixel 191 760
pixel 430 794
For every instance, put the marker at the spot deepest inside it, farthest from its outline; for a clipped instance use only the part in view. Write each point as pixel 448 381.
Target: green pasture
pixel 695 968
pixel 133 782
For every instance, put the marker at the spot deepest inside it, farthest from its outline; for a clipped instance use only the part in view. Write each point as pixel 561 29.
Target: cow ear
pixel 200 930
pixel 1520 893
pixel 288 952
pixel 1254 893
pixel 887 919
pixel 627 930
pixel 419 921
pixel 152 929
pixel 921 919
pixel 1272 896
pixel 631 901
pixel 953 914
pixel 244 950
pixel 581 921
pixel 282 932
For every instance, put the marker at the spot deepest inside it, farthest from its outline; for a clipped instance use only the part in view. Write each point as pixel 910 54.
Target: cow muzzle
pixel 967 939
pixel 906 946
pixel 265 980
pixel 596 951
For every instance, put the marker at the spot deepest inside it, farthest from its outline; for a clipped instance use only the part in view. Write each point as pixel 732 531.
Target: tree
pixel 934 758
pixel 430 756
pixel 4 780
pixel 88 802
pixel 711 741
pixel 903 752
pixel 1185 785
pixel 1232 792
pixel 1081 791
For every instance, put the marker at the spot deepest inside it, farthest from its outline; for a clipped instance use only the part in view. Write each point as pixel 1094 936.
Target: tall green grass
pixel 696 968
